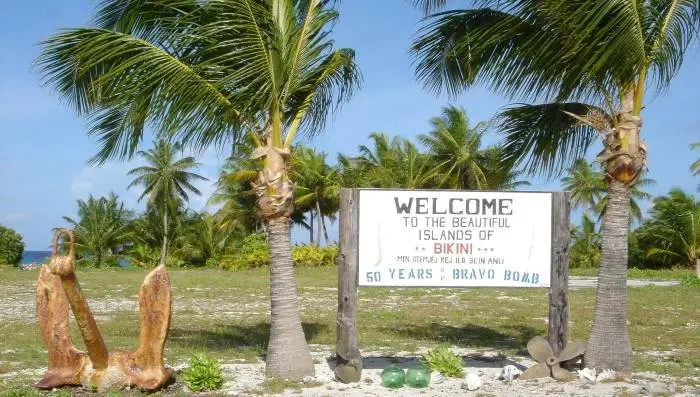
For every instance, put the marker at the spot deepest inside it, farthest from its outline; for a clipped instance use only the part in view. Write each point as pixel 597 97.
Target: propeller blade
pixel 539 349
pixel 572 350
pixel 562 374
pixel 155 305
pixel 65 361
pixel 539 370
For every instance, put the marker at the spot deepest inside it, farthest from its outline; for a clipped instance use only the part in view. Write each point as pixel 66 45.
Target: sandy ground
pixel 487 364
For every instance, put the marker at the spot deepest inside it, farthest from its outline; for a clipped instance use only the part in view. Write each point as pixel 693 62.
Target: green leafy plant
pixel 312 256
pixel 11 247
pixel 204 373
pixel 253 253
pixel 445 362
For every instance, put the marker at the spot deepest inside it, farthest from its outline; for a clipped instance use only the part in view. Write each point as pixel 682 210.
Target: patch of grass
pixel 445 362
pixel 690 280
pixel 226 314
pixel 654 274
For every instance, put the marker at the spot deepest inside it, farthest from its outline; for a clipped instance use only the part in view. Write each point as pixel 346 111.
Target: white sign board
pixel 440 238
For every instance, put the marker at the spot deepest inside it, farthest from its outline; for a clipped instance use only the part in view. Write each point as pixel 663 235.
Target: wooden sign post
pixel 439 238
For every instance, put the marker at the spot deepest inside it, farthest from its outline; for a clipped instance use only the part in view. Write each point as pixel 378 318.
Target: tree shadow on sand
pixel 468 335
pixel 232 337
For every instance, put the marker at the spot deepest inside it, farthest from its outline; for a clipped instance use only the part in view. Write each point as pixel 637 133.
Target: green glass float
pixel 418 376
pixel 393 377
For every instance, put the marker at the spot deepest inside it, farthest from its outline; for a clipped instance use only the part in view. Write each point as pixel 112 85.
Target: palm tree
pixel 455 151
pixel 389 163
pixel 166 180
pixel 317 188
pixel 673 232
pixel 590 62
pixel 589 190
pixel 585 185
pixel 637 194
pixel 585 247
pixel 208 72
pixel 101 228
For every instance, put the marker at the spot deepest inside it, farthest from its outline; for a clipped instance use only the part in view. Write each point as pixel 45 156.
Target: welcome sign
pixel 440 238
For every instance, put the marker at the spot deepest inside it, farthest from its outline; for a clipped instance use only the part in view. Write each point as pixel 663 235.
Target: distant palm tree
pixel 585 185
pixel 591 63
pixel 455 152
pixel 590 192
pixel 166 180
pixel 317 187
pixel 390 163
pixel 585 246
pixel 102 227
pixel 673 232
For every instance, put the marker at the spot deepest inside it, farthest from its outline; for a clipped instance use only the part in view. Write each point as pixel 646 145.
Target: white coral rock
pixel 509 372
pixel 471 382
pixel 587 373
pixel 605 374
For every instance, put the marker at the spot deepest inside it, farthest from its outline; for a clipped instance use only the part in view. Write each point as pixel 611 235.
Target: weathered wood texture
pixel 349 362
pixel 559 282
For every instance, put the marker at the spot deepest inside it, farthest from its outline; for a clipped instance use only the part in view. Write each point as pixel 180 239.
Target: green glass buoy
pixel 418 376
pixel 393 377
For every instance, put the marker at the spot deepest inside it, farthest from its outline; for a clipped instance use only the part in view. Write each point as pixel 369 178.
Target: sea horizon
pixel 36 257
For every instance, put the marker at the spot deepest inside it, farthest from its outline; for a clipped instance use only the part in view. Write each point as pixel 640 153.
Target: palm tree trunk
pixel 319 219
pixel 311 227
pixel 164 249
pixel 288 355
pixel 609 344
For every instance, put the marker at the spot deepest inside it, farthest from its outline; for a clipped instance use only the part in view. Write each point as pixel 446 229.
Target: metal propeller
pixel 547 363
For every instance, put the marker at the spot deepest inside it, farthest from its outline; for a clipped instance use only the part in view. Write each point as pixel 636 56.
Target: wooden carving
pixel 58 289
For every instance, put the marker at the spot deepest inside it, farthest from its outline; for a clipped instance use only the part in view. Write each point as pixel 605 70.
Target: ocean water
pixel 38 257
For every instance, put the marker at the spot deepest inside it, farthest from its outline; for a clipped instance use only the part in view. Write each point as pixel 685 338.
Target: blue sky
pixel 44 147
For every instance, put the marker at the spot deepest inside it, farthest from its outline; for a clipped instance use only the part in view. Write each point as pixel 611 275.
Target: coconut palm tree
pixel 585 185
pixel 102 228
pixel 317 188
pixel 166 181
pixel 208 72
pixel 585 245
pixel 389 163
pixel 637 195
pixel 673 232
pixel 454 149
pixel 589 63
pixel 589 190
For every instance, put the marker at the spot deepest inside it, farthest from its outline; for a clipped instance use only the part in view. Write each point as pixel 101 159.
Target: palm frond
pixel 544 138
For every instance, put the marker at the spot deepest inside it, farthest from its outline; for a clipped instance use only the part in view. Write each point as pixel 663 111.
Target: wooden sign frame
pixel 348 354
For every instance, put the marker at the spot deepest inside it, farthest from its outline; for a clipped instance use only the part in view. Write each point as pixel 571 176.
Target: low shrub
pixel 254 253
pixel 11 247
pixel 445 362
pixel 204 373
pixel 312 256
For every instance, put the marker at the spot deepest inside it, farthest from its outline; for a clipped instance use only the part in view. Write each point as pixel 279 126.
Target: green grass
pixel 226 315
pixel 654 274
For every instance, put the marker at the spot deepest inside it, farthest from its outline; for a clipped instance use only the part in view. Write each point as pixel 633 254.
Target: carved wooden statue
pixel 57 289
